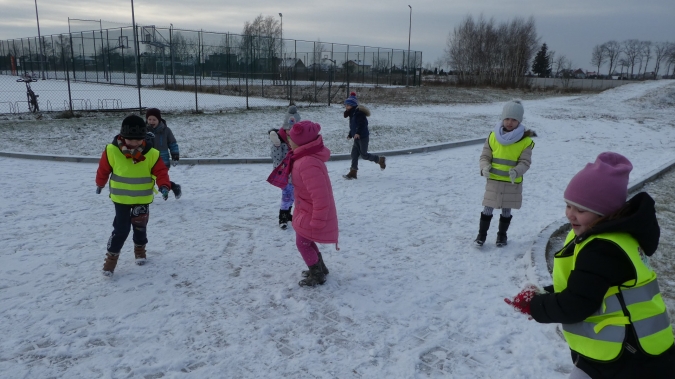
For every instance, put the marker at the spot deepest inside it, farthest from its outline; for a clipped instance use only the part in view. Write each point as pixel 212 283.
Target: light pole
pixel 39 41
pixel 409 30
pixel 138 59
pixel 282 36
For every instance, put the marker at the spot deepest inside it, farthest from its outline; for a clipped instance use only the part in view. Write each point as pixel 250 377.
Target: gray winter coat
pixel 500 194
pixel 164 141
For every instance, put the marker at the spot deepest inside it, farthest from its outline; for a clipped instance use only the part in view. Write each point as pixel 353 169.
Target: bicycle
pixel 30 95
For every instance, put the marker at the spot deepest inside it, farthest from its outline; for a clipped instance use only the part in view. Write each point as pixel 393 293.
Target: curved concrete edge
pixel 59 158
pixel 538 272
pixel 202 161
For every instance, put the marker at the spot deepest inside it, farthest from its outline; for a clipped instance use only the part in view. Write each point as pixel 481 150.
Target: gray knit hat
pixel 292 116
pixel 513 109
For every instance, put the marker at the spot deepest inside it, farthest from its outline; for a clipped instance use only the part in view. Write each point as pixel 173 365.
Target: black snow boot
pixel 323 267
pixel 316 276
pixel 482 229
pixel 283 219
pixel 177 192
pixel 503 227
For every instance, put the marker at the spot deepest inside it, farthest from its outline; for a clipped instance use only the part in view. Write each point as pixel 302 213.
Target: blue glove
pixel 98 189
pixel 164 191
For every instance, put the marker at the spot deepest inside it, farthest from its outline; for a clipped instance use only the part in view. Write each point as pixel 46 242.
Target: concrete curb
pixel 202 161
pixel 543 244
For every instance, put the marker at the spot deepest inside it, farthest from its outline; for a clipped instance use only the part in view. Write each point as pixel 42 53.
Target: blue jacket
pixel 358 123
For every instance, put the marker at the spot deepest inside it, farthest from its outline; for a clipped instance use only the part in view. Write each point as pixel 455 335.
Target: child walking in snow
pixel 165 142
pixel 279 150
pixel 131 166
pixel 506 157
pixel 358 129
pixel 315 217
pixel 604 292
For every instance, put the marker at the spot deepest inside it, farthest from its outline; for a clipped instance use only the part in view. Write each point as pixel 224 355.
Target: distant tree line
pixel 633 54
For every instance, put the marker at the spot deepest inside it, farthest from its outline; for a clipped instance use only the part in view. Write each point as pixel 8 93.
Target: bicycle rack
pixel 115 104
pixel 85 104
pixel 17 106
pixel 12 106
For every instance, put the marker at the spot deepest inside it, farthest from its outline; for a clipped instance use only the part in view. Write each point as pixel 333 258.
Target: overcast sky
pixel 569 27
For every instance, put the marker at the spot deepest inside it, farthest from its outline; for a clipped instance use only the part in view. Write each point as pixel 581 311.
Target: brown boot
pixel 381 162
pixel 110 263
pixel 351 175
pixel 139 252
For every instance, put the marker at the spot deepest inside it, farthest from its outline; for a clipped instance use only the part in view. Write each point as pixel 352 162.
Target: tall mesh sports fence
pixel 126 68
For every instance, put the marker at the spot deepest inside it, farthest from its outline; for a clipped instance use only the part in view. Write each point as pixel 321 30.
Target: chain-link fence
pixel 128 68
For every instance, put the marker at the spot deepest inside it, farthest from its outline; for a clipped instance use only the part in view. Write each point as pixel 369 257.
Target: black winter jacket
pixel 599 266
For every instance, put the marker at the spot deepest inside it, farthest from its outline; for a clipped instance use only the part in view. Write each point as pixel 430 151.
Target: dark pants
pixel 127 216
pixel 360 149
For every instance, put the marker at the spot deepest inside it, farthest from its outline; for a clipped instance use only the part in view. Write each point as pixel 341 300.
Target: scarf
pixel 135 154
pixel 279 176
pixel 508 138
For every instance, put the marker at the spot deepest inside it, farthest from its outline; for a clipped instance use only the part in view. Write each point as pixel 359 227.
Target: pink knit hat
pixel 601 187
pixel 304 132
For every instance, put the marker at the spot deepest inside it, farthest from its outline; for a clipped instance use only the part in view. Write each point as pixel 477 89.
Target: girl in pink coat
pixel 314 217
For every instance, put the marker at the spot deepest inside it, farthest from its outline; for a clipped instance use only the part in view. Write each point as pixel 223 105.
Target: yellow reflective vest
pixel 505 157
pixel 601 335
pixel 131 183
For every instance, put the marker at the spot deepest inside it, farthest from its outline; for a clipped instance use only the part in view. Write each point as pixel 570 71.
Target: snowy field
pixel 408 296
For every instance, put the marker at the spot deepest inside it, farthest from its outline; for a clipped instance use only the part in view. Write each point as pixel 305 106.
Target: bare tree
pixel 260 39
pixel 612 50
pixel 646 54
pixel 481 53
pixel 559 64
pixel 624 63
pixel 670 58
pixel 317 51
pixel 598 57
pixel 633 50
pixel 660 53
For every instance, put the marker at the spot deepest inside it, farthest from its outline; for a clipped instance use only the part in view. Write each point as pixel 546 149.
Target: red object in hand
pixel 521 302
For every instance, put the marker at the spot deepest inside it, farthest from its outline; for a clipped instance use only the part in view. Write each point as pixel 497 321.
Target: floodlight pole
pixel 42 69
pixel 409 30
pixel 138 59
pixel 282 35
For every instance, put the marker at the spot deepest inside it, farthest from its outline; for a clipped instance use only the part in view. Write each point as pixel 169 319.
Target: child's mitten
pixel 485 171
pixel 521 302
pixel 513 175
pixel 274 137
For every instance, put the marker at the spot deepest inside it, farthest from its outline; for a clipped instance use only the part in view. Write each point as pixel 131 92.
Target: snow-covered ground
pixel 407 296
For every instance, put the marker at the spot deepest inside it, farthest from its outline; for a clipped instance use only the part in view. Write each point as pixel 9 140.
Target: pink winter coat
pixel 314 216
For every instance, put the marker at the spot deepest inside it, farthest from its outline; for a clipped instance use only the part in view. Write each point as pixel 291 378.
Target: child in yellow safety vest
pixel 604 292
pixel 132 167
pixel 506 157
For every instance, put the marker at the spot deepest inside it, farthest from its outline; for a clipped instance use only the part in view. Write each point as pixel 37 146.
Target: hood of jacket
pixel 159 129
pixel 639 221
pixel 358 108
pixel 323 155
